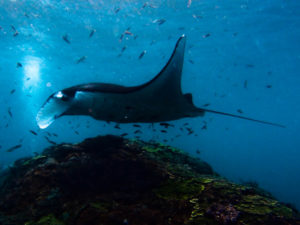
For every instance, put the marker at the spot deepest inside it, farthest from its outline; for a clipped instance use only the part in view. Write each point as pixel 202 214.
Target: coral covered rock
pixel 110 180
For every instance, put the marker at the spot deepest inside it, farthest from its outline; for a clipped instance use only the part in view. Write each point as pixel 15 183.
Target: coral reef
pixel 109 180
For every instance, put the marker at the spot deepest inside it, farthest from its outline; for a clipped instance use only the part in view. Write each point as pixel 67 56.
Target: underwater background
pixel 241 57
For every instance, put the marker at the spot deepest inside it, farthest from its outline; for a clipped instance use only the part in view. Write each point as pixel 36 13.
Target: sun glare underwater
pixel 240 57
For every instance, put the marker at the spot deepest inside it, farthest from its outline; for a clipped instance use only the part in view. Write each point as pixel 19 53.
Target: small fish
pixel 76 132
pixel 137 132
pixel 117 126
pixel 33 132
pixel 14 148
pixel 127 32
pixel 12 91
pixel 92 33
pixel 191 61
pixel 152 42
pixel 150 5
pixel 49 134
pixel 185 124
pixel 159 21
pixel 249 65
pixel 15 30
pixel 204 127
pixel 145 4
pixel 121 38
pixel 142 54
pixel 207 104
pixel 66 38
pixel 124 134
pixel 239 111
pixel 206 35
pixel 189 3
pixel 9 112
pixel 198 151
pixel 136 125
pixel 81 59
pixel 54 134
pixel 190 131
pixel 197 16
pixel 245 84
pixel 51 142
pixel 123 49
pixel 163 131
pixel 269 86
pixel 19 65
pixel 166 125
pixel 117 10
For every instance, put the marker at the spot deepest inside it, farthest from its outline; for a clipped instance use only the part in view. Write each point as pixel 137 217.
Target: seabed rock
pixel 109 180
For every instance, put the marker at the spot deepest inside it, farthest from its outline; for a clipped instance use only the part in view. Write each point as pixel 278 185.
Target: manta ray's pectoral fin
pixel 241 117
pixel 168 80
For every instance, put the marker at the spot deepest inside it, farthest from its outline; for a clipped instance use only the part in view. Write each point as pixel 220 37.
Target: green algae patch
pixel 101 206
pixel 197 209
pixel 283 211
pixel 151 149
pixel 34 159
pixel 259 205
pixel 176 161
pixel 160 149
pixel 256 204
pixel 46 220
pixel 207 180
pixel 180 190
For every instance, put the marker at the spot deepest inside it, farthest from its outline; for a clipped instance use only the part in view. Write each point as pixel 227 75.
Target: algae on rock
pixel 111 180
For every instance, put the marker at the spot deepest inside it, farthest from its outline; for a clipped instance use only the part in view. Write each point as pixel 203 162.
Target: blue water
pixel 228 42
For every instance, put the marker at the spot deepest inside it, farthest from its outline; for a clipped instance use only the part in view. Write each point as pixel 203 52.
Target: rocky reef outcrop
pixel 109 180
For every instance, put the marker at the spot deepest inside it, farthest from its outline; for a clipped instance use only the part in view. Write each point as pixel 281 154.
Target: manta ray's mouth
pixel 50 111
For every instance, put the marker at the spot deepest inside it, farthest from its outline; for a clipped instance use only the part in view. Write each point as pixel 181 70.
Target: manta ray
pixel 158 100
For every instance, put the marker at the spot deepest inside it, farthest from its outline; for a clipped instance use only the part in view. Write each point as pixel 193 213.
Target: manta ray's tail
pixel 241 117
